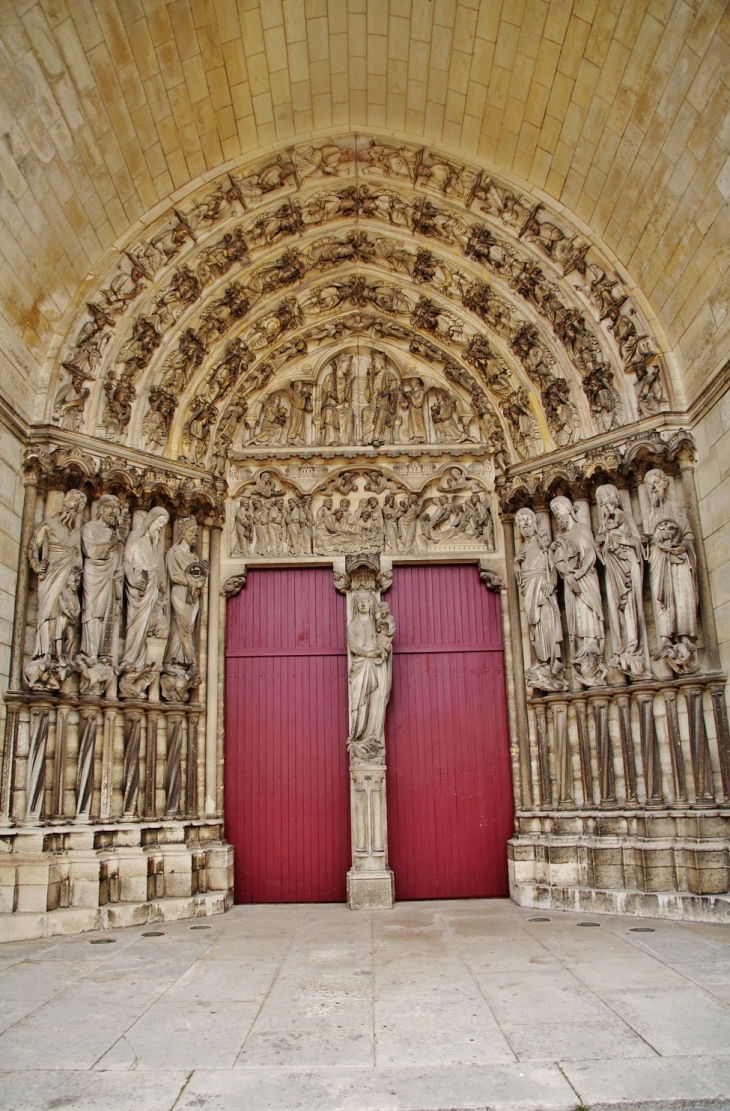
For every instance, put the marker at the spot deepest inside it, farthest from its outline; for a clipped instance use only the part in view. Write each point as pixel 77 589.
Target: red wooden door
pixel 287 787
pixel 450 806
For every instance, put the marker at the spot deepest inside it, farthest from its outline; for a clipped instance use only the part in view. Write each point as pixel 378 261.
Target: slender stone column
pixel 518 662
pixel 719 709
pixel 675 746
pixel 605 753
pixel 211 698
pixel 650 751
pixel 584 749
pixel 701 764
pixel 88 725
pixel 12 712
pixel 563 755
pixel 627 748
pixel 543 757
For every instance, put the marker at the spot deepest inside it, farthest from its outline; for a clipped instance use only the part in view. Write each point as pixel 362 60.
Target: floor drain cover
pixel 641 930
pixel 596 924
pixel 539 919
pixel 201 927
pixel 154 933
pixel 103 940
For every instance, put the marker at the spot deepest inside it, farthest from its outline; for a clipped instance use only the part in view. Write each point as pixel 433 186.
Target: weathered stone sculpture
pixel 54 553
pixel 102 541
pixel 370 635
pixel 619 548
pixel 144 574
pixel 187 577
pixel 672 566
pixel 537 580
pixel 574 555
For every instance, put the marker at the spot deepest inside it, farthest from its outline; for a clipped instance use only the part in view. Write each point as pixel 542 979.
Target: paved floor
pixel 469 1004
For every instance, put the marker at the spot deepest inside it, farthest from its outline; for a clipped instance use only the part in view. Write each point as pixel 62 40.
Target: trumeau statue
pixel 672 567
pixel 144 571
pixel 574 555
pixel 619 548
pixel 537 580
pixel 54 553
pixel 370 635
pixel 187 577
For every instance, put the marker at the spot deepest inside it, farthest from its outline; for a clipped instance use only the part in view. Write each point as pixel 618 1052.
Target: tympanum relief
pixel 362 510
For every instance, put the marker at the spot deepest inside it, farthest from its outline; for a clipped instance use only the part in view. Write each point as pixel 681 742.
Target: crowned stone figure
pixel 537 580
pixel 672 568
pixel 54 553
pixel 370 635
pixel 619 548
pixel 187 578
pixel 574 556
pixel 144 571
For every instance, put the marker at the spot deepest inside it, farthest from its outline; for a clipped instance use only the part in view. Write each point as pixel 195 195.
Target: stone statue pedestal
pixel 370 883
pixel 370 890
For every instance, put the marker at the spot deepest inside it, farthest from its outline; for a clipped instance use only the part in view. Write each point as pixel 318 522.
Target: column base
pixel 370 890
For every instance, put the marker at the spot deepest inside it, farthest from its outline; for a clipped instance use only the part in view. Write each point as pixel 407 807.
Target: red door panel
pixel 450 806
pixel 287 788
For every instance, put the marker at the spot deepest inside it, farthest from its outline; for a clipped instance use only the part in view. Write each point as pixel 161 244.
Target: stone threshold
pixel 678 906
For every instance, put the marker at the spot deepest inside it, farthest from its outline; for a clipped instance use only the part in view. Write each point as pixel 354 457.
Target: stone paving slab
pixel 468 1005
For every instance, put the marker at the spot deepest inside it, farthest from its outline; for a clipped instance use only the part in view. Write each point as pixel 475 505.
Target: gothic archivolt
pixel 191 321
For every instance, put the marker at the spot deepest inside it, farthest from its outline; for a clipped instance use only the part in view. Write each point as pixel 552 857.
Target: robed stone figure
pixel 619 547
pixel 54 553
pixel 187 578
pixel 102 544
pixel 537 580
pixel 370 635
pixel 672 568
pixel 144 571
pixel 574 556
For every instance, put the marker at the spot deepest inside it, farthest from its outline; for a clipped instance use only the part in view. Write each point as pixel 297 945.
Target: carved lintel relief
pixel 370 632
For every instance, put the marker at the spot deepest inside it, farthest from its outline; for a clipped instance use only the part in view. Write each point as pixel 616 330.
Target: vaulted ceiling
pixel 615 111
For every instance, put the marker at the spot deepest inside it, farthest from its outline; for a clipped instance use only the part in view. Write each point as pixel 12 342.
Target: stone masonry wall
pixel 712 434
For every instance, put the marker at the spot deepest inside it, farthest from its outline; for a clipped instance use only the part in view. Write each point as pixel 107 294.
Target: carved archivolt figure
pixel 619 546
pixel 187 578
pixel 144 573
pixel 54 553
pixel 369 641
pixel 672 564
pixel 574 555
pixel 537 580
pixel 103 541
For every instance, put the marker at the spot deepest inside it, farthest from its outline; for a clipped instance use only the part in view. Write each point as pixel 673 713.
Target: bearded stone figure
pixel 370 635
pixel 672 568
pixel 144 571
pixel 574 556
pixel 102 542
pixel 619 548
pixel 54 553
pixel 187 577
pixel 537 580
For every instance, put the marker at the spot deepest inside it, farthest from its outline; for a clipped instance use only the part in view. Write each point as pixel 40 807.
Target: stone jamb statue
pixel 672 570
pixel 54 553
pixel 574 556
pixel 370 633
pixel 620 550
pixel 537 580
pixel 144 572
pixel 187 577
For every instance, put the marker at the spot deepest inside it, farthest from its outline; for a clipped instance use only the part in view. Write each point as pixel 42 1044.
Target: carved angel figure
pixel 619 547
pixel 54 553
pixel 370 635
pixel 672 567
pixel 537 580
pixel 574 555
